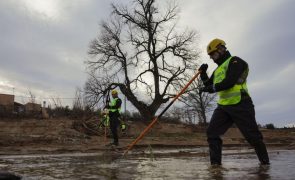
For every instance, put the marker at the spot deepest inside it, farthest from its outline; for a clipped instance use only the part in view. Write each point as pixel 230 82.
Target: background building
pixel 6 103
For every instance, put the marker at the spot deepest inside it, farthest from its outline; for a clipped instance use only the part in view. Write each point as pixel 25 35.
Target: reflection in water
pixel 111 165
pixel 263 172
pixel 216 172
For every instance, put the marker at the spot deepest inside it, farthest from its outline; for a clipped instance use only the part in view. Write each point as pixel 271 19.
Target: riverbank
pixel 34 136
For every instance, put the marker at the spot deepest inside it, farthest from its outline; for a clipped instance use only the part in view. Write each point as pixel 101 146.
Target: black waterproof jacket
pixel 235 70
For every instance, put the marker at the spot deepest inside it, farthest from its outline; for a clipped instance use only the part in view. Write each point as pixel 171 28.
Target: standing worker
pixel 114 114
pixel 234 105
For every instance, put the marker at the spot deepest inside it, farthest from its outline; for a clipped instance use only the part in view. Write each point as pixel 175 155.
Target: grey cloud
pixel 269 51
pixel 48 54
pixel 38 53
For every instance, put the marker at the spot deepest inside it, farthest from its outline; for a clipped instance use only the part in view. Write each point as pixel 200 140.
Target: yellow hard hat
pixel 212 46
pixel 114 91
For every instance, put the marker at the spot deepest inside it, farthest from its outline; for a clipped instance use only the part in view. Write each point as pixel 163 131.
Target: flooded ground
pixel 151 164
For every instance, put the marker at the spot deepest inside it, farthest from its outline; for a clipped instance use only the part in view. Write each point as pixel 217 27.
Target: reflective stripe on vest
pixel 112 104
pixel 233 94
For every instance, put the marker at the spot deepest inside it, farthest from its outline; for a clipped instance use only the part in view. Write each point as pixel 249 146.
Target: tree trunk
pixel 147 112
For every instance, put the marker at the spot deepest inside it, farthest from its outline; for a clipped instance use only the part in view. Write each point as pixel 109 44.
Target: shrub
pixel 269 126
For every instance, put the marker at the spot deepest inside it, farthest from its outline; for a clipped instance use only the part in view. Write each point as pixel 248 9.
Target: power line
pixel 47 97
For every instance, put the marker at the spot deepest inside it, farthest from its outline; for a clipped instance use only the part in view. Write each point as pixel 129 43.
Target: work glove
pixel 203 68
pixel 209 89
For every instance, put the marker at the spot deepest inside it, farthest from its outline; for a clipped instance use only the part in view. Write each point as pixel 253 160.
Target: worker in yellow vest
pixel 234 105
pixel 114 113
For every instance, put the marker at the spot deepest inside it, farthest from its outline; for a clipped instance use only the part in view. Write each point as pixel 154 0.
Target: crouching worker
pixel 114 114
pixel 106 118
pixel 123 126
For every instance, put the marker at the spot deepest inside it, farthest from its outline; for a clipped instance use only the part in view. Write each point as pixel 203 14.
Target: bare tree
pixel 78 101
pixel 201 103
pixel 140 51
pixel 32 98
pixel 176 112
pixel 57 102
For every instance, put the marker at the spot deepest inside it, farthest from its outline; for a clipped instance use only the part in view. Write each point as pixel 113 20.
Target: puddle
pixel 237 164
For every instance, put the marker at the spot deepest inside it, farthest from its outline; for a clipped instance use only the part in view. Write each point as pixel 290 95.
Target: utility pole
pixel 125 104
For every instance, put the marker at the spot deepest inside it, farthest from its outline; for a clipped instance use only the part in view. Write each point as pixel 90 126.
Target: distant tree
pixel 56 101
pixel 78 103
pixel 141 52
pixel 32 97
pixel 269 126
pixel 201 103
pixel 176 112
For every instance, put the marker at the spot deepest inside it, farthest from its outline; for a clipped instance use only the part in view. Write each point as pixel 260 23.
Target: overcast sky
pixel 44 44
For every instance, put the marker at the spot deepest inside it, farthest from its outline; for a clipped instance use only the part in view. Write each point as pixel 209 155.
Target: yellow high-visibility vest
pixel 112 104
pixel 232 95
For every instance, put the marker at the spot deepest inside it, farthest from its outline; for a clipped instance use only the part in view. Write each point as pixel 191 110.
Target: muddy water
pixel 151 164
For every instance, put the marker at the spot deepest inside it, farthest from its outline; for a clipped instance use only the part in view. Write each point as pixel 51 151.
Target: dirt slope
pixel 58 135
